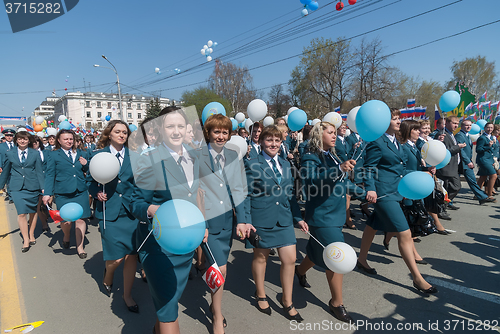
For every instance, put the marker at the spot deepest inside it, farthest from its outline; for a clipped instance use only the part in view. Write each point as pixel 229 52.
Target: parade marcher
pixel 23 170
pixel 36 143
pixel 253 141
pixel 51 139
pixel 271 208
pixel 188 140
pixel 467 165
pixel 221 176
pixel 65 180
pixel 118 234
pixel 326 185
pixel 243 133
pixel 168 172
pixel 485 147
pixel 6 146
pixel 89 142
pixel 385 164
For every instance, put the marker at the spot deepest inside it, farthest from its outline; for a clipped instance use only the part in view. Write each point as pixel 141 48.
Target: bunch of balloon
pixel 309 6
pixel 208 50
pixel 104 167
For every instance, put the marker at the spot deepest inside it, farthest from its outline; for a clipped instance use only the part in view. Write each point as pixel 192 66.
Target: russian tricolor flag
pixel 337 109
pixel 29 128
pixel 344 117
pixel 410 103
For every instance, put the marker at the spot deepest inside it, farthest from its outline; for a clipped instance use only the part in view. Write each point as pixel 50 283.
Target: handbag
pixel 496 165
pixel 254 239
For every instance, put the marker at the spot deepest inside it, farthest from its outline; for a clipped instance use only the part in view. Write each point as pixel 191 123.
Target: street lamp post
pixel 123 116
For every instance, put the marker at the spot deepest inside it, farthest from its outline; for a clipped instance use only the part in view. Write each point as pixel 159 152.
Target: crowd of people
pixel 285 180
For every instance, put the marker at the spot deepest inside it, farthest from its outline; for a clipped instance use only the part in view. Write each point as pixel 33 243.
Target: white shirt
pixel 10 144
pixel 20 152
pixel 342 139
pixel 256 146
pixel 214 154
pixel 268 160
pixel 392 138
pixel 114 151
pixel 187 163
pixel 41 154
pixel 412 144
pixel 73 154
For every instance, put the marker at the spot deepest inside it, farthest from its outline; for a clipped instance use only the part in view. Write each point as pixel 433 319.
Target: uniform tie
pixel 70 156
pixel 276 171
pixel 180 166
pixel 118 157
pixel 23 157
pixel 217 163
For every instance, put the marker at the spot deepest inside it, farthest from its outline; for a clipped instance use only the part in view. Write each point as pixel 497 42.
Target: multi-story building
pixel 45 109
pixel 89 108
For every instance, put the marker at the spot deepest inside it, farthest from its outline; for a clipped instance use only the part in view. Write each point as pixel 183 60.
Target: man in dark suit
pixel 449 173
pixel 4 148
pixel 467 164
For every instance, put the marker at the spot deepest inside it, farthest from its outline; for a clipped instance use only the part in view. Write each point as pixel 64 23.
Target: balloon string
pixel 104 207
pixel 387 195
pixel 144 241
pixel 315 239
pixel 48 207
pixel 355 149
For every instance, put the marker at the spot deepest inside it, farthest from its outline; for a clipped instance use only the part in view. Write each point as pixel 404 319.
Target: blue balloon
pixel 449 100
pixel 416 185
pixel 313 5
pixel 211 109
pixel 132 127
pixel 178 226
pixel 71 212
pixel 305 2
pixel 235 124
pixel 107 118
pixel 242 124
pixel 373 120
pixel 446 160
pixel 474 129
pixel 297 119
pixel 64 125
pixel 309 122
pixel 482 123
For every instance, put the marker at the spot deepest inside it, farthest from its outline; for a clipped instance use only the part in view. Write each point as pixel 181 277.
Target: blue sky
pixel 138 36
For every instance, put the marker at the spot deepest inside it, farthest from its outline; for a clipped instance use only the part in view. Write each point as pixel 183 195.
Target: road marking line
pixel 11 310
pixel 495 239
pixel 464 290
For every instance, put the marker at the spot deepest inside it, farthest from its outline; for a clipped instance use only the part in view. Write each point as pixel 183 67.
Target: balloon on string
pixel 202 51
pixel 209 44
pixel 40 134
pixel 178 226
pixel 352 2
pixel 39 119
pixel 416 185
pixel 38 128
pixel 248 124
pixel 449 100
pixel 157 70
pixel 334 118
pixel 372 120
pixel 51 131
pixel 132 127
pixel 177 70
pixel 103 118
pixel 241 124
pixel 71 212
pixel 61 118
pixel 433 152
pixel 215 44
pixel 347 133
pixel 209 58
pixel 305 2
pixel 234 124
pixel 474 137
pixel 304 12
pixel 239 117
pixel 290 110
pixel 446 160
pixel 268 121
pixel 297 119
pixel 351 118
pixel 104 167
pixel 107 118
pixel 482 123
pixel 286 118
pixel 66 80
pixel 340 257
pixel 64 125
pixel 339 6
pixel 313 5
pixel 211 109
pixel 475 129
pixel 238 144
pixel 22 130
pixel 256 110
pixel 315 121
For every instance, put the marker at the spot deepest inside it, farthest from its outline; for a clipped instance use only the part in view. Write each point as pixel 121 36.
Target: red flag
pixel 213 277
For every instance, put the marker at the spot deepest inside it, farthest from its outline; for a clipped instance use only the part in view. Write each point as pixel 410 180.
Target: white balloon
pixel 238 144
pixel 40 134
pixel 433 152
pixel 205 47
pixel 61 118
pixel 347 132
pixel 257 110
pixel 268 121
pixel 351 118
pixel 474 137
pixel 104 167
pixel 239 117
pixel 290 110
pixel 334 118
pixel 202 51
pixel 51 131
pixel 211 50
pixel 39 119
pixel 209 44
pixel 21 130
pixel 157 70
pixel 103 118
pixel 248 123
pixel 339 257
pixel 315 121
pixel 286 118
pixel 209 58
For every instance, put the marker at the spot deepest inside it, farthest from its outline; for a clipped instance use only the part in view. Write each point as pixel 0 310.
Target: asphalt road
pixel 64 291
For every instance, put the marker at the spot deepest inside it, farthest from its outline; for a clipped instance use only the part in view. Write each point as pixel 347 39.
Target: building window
pixel 109 105
pixel 139 115
pixel 129 115
pixel 99 104
pixel 138 106
pixel 99 114
pixel 88 114
pixel 129 105
pixel 87 104
pixel 110 114
pixel 147 106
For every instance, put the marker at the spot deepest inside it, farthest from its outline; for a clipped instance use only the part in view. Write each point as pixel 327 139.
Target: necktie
pixel 70 156
pixel 180 166
pixel 258 149
pixel 23 157
pixel 395 142
pixel 276 171
pixel 217 163
pixel 10 145
pixel 118 157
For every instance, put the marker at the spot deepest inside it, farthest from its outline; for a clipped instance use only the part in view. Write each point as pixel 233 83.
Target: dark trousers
pixel 470 177
pixel 451 184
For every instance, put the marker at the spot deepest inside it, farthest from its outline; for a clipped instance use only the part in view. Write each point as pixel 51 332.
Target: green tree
pixel 201 96
pixel 154 108
pixel 476 73
pixel 279 101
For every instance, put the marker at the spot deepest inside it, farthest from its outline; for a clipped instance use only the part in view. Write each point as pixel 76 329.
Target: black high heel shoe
pixel 224 322
pixel 287 310
pixel 266 310
pixel 370 271
pixel 432 289
pixel 340 313
pixel 107 288
pixel 364 210
pixel 386 244
pixel 133 308
pixel 302 279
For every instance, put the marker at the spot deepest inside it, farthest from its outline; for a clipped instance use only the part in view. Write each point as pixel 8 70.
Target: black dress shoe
pixel 287 310
pixel 32 243
pixel 6 199
pixel 46 229
pixel 224 321
pixel 25 249
pixel 444 216
pixel 107 288
pixel 11 201
pixel 417 240
pixel 430 290
pixel 302 279
pixel 340 313
pixel 487 200
pixel 421 261
pixel 133 308
pixel 370 271
pixel 442 232
pixel 82 255
pixel 386 244
pixel 452 207
pixel 266 310
pixel 65 244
